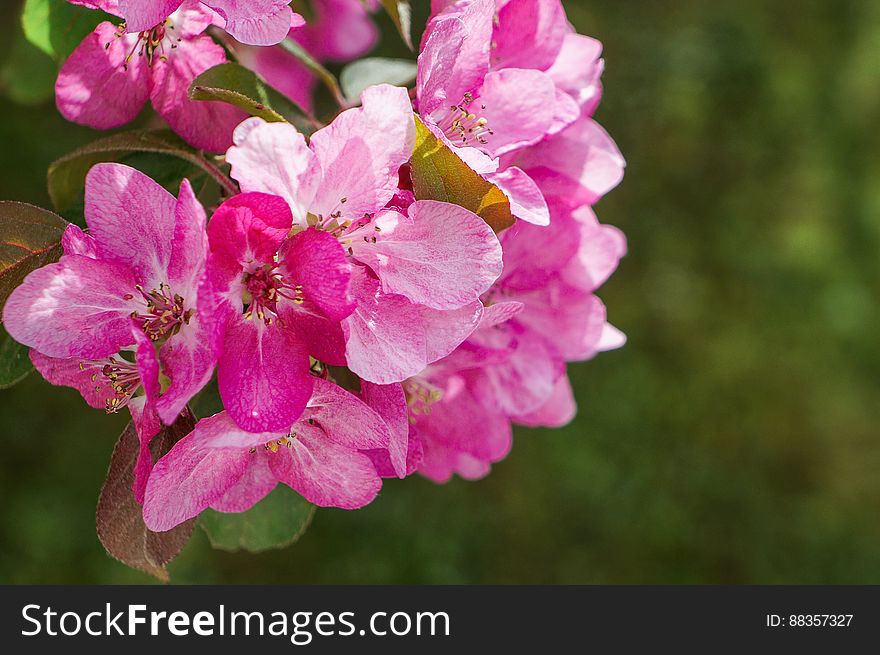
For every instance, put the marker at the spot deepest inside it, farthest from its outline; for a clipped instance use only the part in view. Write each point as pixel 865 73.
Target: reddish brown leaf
pixel 30 237
pixel 120 519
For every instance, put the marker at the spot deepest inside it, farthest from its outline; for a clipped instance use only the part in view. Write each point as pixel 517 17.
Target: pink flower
pixel 221 466
pixel 280 300
pixel 417 276
pixel 110 76
pixel 118 317
pixel 259 22
pixel 338 31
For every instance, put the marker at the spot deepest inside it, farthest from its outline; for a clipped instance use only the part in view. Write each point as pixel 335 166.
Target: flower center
pixel 165 313
pixel 276 444
pixel 465 127
pixel 150 43
pixel 122 376
pixel 264 288
pixel 420 395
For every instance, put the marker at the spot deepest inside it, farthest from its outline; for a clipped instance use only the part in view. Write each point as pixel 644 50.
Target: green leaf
pixel 327 78
pixel 439 174
pixel 30 237
pixel 401 14
pixel 365 73
pixel 236 85
pixel 67 175
pixel 120 518
pixel 57 27
pixel 277 521
pixel 28 74
pixel 14 361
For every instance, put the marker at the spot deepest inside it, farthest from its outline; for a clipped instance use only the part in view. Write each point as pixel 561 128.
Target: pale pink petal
pixel 500 313
pixel 600 251
pixel 558 411
pixel 110 6
pixel 203 124
pixel 143 15
pixel 345 418
pixel 257 482
pixel 256 22
pixel 570 319
pixel 189 246
pixel 73 308
pixel 132 220
pixel 361 152
pixel 274 158
pixel 263 375
pixel 533 255
pixel 191 19
pixel 76 242
pixel 389 401
pixel 527 202
pixel 566 111
pixel 338 30
pixel 325 473
pixel 315 261
pixel 578 70
pixel 580 164
pixel 440 255
pixel 529 34
pixel 188 361
pixel 96 87
pixel 516 118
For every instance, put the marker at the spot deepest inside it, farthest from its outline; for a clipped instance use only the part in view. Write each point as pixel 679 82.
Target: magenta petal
pixel 326 473
pixel 263 375
pixel 147 426
pixel 189 246
pixel 188 360
pixel 345 418
pixel 255 22
pixel 324 338
pixel 274 158
pixel 315 261
pixel 142 15
pixel 189 479
pixel 96 87
pixel 73 308
pixel 257 482
pixel 76 242
pixel 282 71
pixel 441 255
pixel 248 229
pixel 83 375
pixel 389 401
pixel 361 152
pixel 558 411
pixel 132 219
pixel 205 125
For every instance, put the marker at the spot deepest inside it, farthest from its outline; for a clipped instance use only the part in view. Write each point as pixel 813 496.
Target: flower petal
pixel 326 473
pixel 143 15
pixel 247 230
pixel 263 375
pixel 205 125
pixel 389 401
pixel 527 202
pixel 73 308
pixel 345 418
pixel 530 34
pixel 361 152
pixel 256 22
pixel 97 87
pixel 558 411
pixel 315 261
pixel 257 482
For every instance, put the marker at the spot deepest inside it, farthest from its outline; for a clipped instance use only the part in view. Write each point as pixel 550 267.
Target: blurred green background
pixel 733 440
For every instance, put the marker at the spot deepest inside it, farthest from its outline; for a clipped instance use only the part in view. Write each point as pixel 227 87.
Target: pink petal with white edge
pixel 96 87
pixel 389 401
pixel 191 477
pixel 530 34
pixel 345 418
pixel 257 482
pixel 73 308
pixel 439 255
pixel 315 261
pixel 559 410
pixel 143 15
pixel 527 202
pixel 132 220
pixel 203 124
pixel 361 152
pixel 520 107
pixel 325 473
pixel 263 375
pixel 256 22
pixel 274 158
pixel 76 242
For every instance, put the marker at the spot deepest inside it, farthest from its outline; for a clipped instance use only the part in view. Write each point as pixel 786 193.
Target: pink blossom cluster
pixel 355 331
